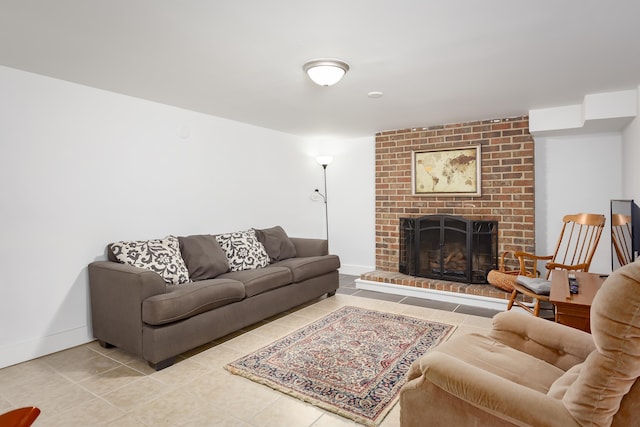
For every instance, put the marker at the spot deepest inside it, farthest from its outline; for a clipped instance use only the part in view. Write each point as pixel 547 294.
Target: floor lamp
pixel 324 162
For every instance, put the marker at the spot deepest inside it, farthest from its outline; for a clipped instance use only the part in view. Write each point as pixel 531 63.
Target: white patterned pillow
pixel 159 255
pixel 243 250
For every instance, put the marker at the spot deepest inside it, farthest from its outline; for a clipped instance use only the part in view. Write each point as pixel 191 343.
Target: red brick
pixel 507 193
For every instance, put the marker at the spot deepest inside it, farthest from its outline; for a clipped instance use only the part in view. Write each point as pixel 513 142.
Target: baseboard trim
pixel 446 296
pixel 355 270
pixel 26 350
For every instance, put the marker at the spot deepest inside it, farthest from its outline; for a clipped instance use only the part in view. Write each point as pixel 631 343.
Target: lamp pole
pixel 324 162
pixel 326 207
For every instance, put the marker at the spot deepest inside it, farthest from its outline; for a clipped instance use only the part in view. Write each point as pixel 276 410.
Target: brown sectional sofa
pixel 135 309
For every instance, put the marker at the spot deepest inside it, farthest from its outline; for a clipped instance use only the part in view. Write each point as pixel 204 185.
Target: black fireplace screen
pixel 448 248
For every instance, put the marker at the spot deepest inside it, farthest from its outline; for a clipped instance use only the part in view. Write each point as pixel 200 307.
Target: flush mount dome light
pixel 326 72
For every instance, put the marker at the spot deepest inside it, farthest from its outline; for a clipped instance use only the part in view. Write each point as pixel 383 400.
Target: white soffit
pixel 601 112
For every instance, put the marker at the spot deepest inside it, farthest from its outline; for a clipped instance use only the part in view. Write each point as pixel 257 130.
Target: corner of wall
pixel 598 113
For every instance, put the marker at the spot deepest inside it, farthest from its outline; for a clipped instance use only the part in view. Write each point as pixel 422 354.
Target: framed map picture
pixel 447 172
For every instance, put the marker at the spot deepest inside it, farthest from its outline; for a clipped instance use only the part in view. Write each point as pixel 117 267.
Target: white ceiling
pixel 436 62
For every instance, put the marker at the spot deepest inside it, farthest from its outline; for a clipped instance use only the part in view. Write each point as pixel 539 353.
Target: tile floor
pixel 90 386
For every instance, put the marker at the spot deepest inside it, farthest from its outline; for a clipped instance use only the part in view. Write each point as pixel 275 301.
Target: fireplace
pixel 448 247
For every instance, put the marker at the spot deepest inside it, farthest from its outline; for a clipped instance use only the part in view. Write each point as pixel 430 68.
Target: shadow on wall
pixel 76 298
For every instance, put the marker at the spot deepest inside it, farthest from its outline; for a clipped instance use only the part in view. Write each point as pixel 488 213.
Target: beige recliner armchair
pixel 528 371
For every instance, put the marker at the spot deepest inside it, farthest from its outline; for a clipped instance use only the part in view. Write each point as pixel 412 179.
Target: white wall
pixel 631 158
pixel 575 174
pixel 351 200
pixel 81 167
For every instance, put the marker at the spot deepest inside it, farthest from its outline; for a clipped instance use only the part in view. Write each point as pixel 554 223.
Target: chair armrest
pixel 310 247
pixel 116 294
pixel 523 257
pixel 559 345
pixel 503 398
pixel 576 267
pixel 501 265
pixel 532 256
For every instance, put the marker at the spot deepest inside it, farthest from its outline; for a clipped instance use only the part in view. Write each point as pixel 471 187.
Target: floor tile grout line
pixel 327 303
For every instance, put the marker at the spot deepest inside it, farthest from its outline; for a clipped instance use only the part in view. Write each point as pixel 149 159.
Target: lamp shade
pixel 324 160
pixel 326 72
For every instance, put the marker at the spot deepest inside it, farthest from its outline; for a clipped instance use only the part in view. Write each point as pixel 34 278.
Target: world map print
pixel 447 172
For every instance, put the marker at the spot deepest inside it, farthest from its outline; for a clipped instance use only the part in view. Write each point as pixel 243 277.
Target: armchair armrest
pixel 116 294
pixel 310 247
pixel 559 345
pixel 505 399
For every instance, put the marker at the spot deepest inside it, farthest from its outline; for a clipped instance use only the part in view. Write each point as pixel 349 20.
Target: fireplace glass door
pixel 448 248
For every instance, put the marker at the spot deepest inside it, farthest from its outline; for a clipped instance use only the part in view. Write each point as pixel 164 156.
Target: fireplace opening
pixel 448 248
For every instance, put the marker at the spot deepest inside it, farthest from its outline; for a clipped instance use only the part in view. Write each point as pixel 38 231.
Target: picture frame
pixel 447 172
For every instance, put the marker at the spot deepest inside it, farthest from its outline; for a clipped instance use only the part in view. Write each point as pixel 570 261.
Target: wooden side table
pixel 573 309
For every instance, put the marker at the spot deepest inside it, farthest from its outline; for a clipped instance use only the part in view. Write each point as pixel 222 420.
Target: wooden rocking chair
pixel 576 245
pixel 621 238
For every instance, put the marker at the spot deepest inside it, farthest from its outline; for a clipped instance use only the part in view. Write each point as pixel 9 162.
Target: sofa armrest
pixel 140 281
pixel 310 247
pixel 559 345
pixel 505 399
pixel 116 294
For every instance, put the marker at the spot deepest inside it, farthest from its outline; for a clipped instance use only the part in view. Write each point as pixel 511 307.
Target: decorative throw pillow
pixel 203 256
pixel 159 255
pixel 243 250
pixel 276 243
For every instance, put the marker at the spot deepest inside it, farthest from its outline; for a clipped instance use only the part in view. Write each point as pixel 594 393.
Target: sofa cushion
pixel 276 243
pixel 535 284
pixel 159 255
pixel 486 354
pixel 190 299
pixel 243 250
pixel 308 267
pixel 261 280
pixel 203 256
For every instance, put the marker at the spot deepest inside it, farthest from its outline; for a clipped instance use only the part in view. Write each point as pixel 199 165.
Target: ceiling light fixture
pixel 326 72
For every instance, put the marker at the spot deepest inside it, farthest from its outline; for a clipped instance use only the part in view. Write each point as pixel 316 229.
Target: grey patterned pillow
pixel 243 250
pixel 159 255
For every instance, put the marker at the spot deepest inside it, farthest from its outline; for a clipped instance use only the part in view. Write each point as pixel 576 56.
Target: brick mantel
pixel 507 182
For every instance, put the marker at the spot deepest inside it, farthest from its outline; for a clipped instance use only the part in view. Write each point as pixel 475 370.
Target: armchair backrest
pixel 578 241
pixel 599 385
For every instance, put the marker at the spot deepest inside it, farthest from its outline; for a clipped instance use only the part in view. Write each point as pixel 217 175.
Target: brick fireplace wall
pixel 507 179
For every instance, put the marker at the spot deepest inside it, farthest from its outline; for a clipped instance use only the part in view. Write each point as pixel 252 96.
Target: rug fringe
pixel 318 403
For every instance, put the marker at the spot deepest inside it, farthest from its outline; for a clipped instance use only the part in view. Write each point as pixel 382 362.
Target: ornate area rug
pixel 351 362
